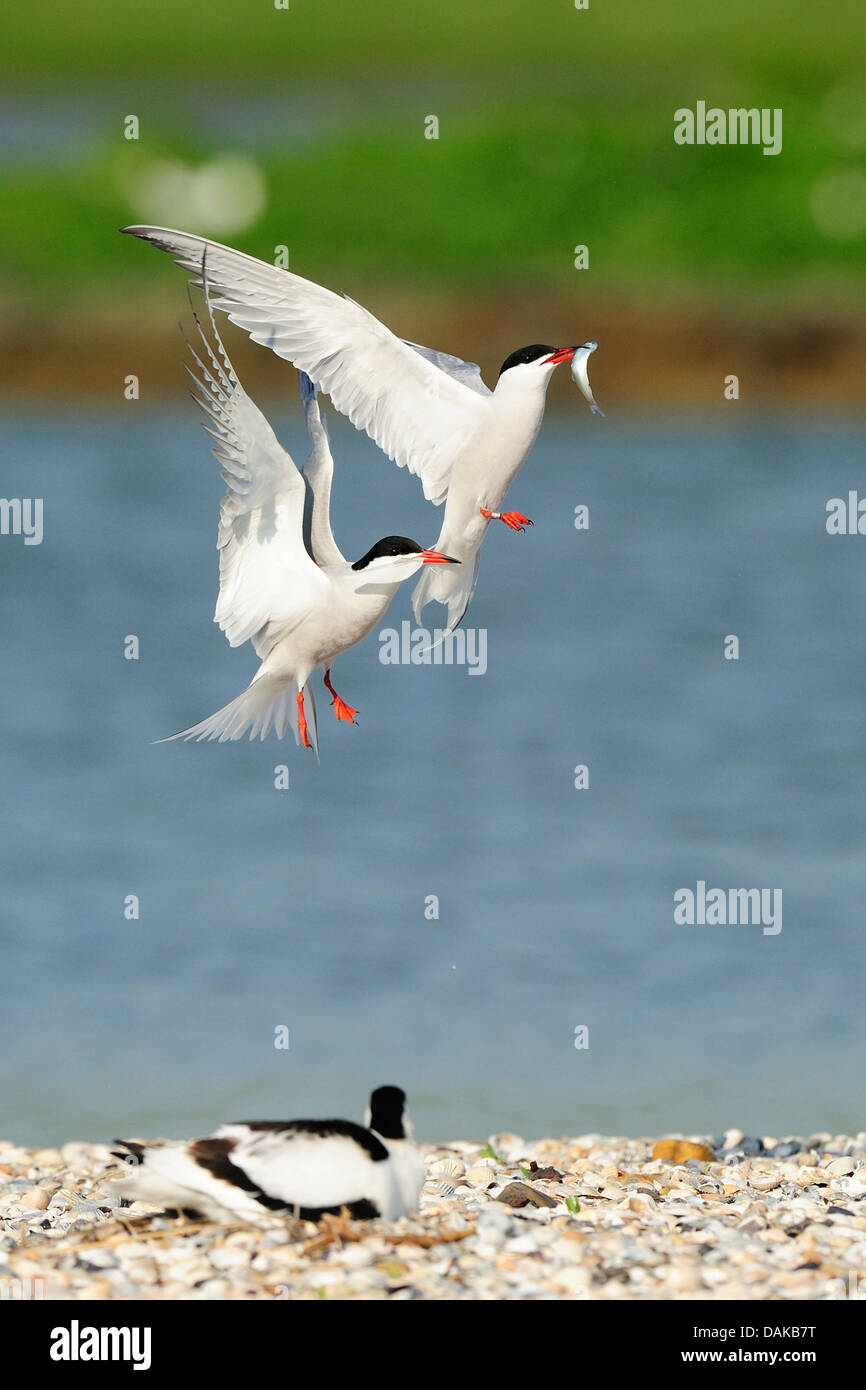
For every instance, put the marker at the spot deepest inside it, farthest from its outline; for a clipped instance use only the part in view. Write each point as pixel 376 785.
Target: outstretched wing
pixel 319 473
pixel 268 581
pixel 422 415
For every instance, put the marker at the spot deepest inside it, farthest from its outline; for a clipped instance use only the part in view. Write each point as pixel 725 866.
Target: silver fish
pixel 580 375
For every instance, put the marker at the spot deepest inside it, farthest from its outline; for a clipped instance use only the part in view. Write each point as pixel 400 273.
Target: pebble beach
pixel 722 1217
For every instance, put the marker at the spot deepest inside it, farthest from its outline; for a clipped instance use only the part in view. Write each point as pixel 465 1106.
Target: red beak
pixel 435 557
pixel 561 355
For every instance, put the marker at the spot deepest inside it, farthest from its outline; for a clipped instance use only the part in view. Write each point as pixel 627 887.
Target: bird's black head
pixel 533 353
pixel 387 1107
pixel 390 545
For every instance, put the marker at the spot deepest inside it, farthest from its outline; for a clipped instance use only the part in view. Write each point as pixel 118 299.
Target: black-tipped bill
pixel 435 557
pixel 563 354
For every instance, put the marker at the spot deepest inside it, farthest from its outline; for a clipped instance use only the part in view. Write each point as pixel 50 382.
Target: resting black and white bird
pixel 306 1168
pixel 285 585
pixel 429 411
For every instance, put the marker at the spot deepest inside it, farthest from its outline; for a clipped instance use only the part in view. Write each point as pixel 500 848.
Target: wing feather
pixel 420 412
pixel 268 581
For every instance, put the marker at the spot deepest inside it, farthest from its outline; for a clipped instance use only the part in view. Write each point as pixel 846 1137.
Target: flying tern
pixel 284 583
pixel 428 411
pixel 304 1167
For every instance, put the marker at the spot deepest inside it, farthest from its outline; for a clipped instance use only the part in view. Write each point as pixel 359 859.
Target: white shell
pixel 448 1168
pixel 480 1174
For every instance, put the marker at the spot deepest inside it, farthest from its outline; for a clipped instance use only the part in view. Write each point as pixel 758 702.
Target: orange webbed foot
pixel 515 521
pixel 341 709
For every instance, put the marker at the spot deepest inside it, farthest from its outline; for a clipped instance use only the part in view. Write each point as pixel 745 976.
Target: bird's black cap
pixel 527 354
pixel 387 1104
pixel 390 545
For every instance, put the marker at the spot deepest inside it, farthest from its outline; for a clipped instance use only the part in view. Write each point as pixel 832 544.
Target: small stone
pixel 519 1194
pixel 47 1158
pixel 787 1148
pixel 680 1150
pixel 750 1147
pixel 544 1174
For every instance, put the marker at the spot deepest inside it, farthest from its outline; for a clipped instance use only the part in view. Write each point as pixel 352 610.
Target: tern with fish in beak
pixel 429 411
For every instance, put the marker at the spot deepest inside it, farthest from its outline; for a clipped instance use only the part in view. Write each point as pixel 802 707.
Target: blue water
pixel 306 907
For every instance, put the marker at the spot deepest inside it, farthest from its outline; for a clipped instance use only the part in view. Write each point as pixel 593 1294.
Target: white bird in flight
pixel 293 595
pixel 305 1168
pixel 428 411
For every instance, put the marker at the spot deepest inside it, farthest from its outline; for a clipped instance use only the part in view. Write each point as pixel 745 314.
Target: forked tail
pixel 452 585
pixel 266 704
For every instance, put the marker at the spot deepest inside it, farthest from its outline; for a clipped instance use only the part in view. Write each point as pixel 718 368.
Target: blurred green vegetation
pixel 239 40
pixel 556 129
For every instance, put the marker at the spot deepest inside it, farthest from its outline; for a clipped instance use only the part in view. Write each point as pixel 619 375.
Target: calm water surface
pixel 306 907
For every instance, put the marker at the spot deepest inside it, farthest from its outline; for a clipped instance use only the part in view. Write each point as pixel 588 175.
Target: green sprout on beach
pixel 489 1152
pixel 525 1171
pixel 573 1205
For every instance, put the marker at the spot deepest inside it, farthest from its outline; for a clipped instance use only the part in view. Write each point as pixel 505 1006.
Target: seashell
pixel 47 1158
pixel 446 1188
pixel 448 1168
pixel 764 1180
pixel 36 1199
pixel 841 1167
pixel 480 1175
